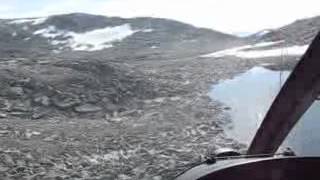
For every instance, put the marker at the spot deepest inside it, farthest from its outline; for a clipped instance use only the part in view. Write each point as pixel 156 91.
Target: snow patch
pixel 266 44
pixel 21 21
pixel 262 33
pixel 186 82
pixel 293 51
pixel 56 42
pixel 30 133
pixel 112 156
pixel 243 51
pixel 147 30
pixel 266 64
pixel 14 34
pixel 88 41
pixel 235 50
pixel 56 51
pixel 49 32
pixel 25 28
pixel 156 100
pixel 39 21
pixel 33 21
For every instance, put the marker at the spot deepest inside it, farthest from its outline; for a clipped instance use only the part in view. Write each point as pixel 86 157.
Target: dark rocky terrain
pixel 138 109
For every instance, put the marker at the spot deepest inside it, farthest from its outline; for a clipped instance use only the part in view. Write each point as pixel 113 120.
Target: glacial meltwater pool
pixel 250 94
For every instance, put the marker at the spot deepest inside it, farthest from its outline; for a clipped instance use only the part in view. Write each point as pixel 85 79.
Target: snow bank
pixel 89 41
pixel 243 51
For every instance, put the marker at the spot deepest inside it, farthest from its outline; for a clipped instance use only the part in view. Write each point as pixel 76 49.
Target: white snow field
pixel 89 41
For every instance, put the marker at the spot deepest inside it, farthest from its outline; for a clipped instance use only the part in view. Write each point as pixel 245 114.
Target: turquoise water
pixel 250 95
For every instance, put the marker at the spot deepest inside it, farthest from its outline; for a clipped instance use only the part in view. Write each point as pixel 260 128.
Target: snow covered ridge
pixel 33 21
pixel 88 41
pixel 243 51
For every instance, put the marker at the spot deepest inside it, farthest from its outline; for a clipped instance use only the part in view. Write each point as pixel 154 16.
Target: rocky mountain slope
pixel 65 63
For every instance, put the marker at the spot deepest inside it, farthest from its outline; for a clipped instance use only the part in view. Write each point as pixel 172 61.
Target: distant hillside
pixel 77 32
pixel 300 32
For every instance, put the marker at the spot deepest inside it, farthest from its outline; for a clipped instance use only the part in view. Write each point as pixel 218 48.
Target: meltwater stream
pixel 250 95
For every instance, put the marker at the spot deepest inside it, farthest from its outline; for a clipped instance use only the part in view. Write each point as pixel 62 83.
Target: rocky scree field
pixel 94 97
